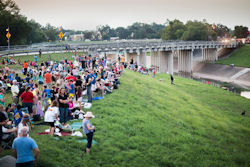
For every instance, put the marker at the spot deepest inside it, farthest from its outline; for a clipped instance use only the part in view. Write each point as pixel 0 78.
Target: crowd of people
pixel 52 90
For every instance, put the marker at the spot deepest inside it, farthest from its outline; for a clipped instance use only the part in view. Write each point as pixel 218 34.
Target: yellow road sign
pixel 61 35
pixel 8 35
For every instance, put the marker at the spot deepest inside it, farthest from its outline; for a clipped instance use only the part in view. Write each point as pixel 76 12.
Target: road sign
pixel 8 35
pixel 61 35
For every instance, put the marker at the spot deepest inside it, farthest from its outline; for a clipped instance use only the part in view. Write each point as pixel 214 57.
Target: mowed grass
pixel 45 57
pixel 240 57
pixel 149 123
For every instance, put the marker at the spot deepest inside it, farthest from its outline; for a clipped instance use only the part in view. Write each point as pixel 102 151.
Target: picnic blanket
pixel 63 133
pixel 98 98
pixel 76 125
pixel 79 140
pixel 85 141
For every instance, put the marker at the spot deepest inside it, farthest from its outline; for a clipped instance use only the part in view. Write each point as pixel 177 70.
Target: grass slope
pixel 151 123
pixel 240 57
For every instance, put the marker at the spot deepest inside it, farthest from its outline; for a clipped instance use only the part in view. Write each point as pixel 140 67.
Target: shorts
pixel 52 124
pixel 79 99
pixel 93 87
pixel 40 82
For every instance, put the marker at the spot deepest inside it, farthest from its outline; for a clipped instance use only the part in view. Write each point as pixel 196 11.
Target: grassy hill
pixel 240 57
pixel 149 123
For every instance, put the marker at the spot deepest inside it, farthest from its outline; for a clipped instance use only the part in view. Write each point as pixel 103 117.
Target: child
pixel 24 123
pixel 18 115
pixel 46 97
pixel 153 73
pixel 51 115
pixel 39 107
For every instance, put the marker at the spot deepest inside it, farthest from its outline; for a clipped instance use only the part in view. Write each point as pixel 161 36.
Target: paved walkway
pixel 224 73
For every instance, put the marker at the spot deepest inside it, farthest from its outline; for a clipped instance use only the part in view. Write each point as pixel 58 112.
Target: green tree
pixel 51 32
pixel 36 35
pixel 240 31
pixel 173 31
pixel 18 25
pixel 195 30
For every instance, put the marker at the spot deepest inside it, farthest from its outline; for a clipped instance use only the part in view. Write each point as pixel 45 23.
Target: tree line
pixel 26 31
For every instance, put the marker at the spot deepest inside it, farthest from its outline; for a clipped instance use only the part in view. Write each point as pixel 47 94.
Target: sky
pixel 88 14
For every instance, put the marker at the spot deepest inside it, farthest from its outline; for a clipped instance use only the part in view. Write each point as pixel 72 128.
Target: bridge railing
pixel 22 49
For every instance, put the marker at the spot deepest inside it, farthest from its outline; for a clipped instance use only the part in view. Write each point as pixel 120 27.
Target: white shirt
pixel 76 64
pixel 50 114
pixel 14 90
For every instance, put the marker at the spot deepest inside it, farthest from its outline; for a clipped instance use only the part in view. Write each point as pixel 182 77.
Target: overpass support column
pixel 185 61
pixel 166 62
pixel 209 54
pixel 148 59
pixel 126 57
pixel 216 54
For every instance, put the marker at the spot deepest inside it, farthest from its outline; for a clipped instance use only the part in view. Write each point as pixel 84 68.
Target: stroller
pixel 7 140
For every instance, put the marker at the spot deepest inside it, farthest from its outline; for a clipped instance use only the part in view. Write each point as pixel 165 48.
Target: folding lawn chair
pixel 7 140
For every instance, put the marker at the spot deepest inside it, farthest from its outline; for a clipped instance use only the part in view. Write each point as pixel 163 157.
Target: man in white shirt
pixel 15 91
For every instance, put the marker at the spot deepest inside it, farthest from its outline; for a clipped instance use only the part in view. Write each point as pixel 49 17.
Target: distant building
pixel 114 38
pixel 77 37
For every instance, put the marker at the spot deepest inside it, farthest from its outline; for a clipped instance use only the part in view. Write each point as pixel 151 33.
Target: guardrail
pixel 117 45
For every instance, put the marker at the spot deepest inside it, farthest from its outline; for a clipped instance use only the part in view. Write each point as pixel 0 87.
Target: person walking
pixel 88 129
pixel 172 79
pixel 63 106
pixel 22 149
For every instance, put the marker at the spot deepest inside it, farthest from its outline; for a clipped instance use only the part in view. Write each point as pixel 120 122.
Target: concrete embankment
pixel 238 76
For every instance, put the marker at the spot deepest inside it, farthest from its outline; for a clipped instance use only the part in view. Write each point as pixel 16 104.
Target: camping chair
pixel 25 110
pixel 7 140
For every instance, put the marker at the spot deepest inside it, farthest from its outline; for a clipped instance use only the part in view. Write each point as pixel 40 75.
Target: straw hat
pixel 89 115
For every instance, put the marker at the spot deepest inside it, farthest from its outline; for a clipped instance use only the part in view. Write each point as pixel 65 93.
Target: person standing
pixel 63 106
pixel 25 67
pixel 172 79
pixel 40 53
pixel 15 92
pixel 35 59
pixel 27 100
pixel 22 149
pixel 88 129
pixel 89 79
pixel 48 78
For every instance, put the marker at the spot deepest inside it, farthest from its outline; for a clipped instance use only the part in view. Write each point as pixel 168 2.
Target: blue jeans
pixel 89 93
pixel 63 114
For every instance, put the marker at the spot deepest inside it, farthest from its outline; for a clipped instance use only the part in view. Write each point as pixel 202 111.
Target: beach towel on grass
pixel 98 98
pixel 85 141
pixel 76 125
pixel 79 140
pixel 63 133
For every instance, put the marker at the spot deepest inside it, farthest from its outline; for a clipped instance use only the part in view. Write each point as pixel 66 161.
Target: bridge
pixel 162 55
